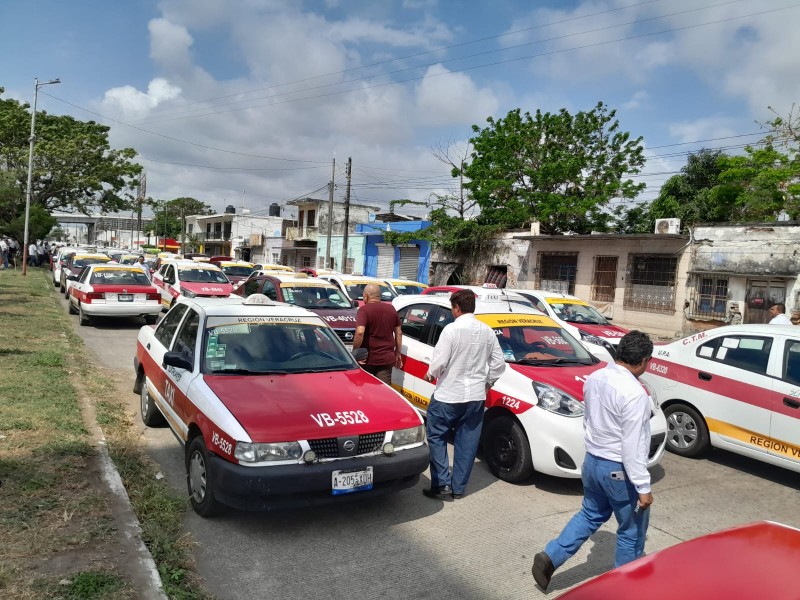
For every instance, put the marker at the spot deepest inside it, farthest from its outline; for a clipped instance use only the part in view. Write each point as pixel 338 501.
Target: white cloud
pixel 705 128
pixel 169 45
pixel 131 103
pixel 445 98
pixel 636 101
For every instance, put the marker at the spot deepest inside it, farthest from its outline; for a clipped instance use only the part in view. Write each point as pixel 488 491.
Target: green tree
pixel 168 215
pixel 74 166
pixel 559 169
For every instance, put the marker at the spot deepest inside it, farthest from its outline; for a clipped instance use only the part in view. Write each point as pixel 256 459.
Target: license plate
pixel 353 480
pixel 125 297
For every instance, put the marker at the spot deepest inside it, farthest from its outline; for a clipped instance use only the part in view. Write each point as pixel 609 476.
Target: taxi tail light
pixel 94 296
pixel 154 296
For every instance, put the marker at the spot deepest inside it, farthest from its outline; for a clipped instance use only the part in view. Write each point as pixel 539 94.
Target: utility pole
pixel 165 227
pixel 140 196
pixel 330 216
pixel 183 228
pixel 346 216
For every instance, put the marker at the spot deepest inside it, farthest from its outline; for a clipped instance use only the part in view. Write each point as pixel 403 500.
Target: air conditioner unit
pixel 668 226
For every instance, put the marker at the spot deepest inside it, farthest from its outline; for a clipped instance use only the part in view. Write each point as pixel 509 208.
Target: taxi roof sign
pixel 258 300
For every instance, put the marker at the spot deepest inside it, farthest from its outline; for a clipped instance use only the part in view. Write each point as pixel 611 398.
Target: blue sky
pixel 245 102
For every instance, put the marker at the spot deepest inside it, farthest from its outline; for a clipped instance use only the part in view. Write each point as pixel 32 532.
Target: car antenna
pixel 502 291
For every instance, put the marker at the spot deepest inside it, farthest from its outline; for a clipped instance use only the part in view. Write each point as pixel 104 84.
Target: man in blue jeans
pixel 466 362
pixel 616 427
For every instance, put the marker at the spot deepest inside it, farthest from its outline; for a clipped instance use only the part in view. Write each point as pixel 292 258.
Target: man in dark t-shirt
pixel 378 330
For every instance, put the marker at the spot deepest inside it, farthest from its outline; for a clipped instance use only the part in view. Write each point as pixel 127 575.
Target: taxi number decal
pixel 169 395
pixel 662 353
pixel 661 369
pixel 221 443
pixel 510 402
pixel 580 378
pixel 334 318
pixel 347 417
pixel 610 333
pixel 555 340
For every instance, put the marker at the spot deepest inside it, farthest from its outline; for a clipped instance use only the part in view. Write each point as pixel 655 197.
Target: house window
pixel 311 218
pixel 604 280
pixel 650 283
pixel 307 261
pixel 275 258
pixel 300 216
pixel 208 230
pixel 190 228
pixel 708 297
pixel 556 271
pixel 217 231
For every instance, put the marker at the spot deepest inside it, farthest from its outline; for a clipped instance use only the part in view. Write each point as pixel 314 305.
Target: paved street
pixel 408 546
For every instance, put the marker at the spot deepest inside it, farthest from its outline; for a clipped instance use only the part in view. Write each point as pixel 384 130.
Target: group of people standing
pixel 467 360
pixel 9 250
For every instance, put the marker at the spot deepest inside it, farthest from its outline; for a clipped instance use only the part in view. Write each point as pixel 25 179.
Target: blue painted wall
pixel 373 233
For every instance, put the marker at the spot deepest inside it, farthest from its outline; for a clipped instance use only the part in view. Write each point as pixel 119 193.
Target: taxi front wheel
pixel 201 494
pixel 506 449
pixel 687 434
pixel 151 416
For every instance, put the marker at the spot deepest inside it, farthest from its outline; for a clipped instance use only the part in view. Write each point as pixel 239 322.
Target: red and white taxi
pixel 190 279
pixel 578 317
pixel 734 387
pixel 236 270
pixel 758 560
pixel 271 407
pixel 105 290
pixel 533 413
pixel 353 286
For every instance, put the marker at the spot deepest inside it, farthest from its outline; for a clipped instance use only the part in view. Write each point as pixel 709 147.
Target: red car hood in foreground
pixel 567 378
pixel 282 408
pixel 759 560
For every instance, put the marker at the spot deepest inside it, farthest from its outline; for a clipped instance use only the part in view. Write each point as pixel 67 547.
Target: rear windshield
pixel 237 271
pixel 356 291
pixel 119 277
pixel 83 262
pixel 202 276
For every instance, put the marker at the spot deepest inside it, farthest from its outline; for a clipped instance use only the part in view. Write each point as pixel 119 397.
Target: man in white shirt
pixel 616 426
pixel 32 254
pixel 777 312
pixel 466 362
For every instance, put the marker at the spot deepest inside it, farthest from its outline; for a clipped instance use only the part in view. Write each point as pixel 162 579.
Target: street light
pixel 30 172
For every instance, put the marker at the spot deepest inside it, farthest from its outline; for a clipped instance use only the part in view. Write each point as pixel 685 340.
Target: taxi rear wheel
pixel 151 416
pixel 201 494
pixel 506 449
pixel 72 310
pixel 687 434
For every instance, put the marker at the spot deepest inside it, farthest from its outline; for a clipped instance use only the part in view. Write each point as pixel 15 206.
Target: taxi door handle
pixel 426 360
pixel 148 345
pixel 704 376
pixel 791 403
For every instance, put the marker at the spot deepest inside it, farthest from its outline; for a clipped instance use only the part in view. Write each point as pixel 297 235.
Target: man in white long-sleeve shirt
pixel 616 427
pixel 466 362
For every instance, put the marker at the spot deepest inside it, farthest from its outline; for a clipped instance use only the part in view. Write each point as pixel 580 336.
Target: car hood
pixel 208 289
pixel 568 379
pixel 609 332
pixel 281 408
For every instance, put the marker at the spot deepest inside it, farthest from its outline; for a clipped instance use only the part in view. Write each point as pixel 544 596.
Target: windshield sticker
pixel 566 301
pixel 112 268
pixel 495 321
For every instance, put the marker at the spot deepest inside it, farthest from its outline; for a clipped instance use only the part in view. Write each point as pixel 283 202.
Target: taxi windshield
pixel 356 290
pixel 316 296
pixel 202 276
pixel 536 345
pixel 107 276
pixel 89 260
pixel 406 290
pixel 578 313
pixel 237 270
pixel 272 345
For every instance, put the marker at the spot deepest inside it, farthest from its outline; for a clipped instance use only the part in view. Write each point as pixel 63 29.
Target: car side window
pixel 84 276
pixel 251 287
pixel 742 352
pixel 791 362
pixel 443 317
pixel 169 324
pixel 187 336
pixel 538 304
pixel 413 318
pixel 269 290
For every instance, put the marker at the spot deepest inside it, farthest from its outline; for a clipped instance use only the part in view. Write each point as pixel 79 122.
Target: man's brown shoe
pixel 542 570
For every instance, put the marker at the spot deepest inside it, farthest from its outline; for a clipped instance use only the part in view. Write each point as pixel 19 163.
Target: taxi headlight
pixel 188 293
pixel 406 437
pixel 556 401
pixel 250 452
pixel 652 392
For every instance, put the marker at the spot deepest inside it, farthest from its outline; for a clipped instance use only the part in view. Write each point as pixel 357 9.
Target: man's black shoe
pixel 457 496
pixel 440 493
pixel 542 569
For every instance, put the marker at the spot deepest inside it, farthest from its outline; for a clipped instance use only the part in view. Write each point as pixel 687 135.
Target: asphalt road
pixel 407 546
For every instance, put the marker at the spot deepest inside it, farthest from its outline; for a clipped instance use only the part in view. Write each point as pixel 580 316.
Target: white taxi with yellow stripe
pixel 735 388
pixel 271 408
pixel 533 420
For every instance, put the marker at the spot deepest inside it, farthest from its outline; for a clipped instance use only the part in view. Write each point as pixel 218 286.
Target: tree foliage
pixel 74 167
pixel 559 169
pixel 168 215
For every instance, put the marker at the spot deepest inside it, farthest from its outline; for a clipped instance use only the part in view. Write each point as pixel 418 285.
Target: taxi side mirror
pixel 360 354
pixel 354 303
pixel 72 277
pixel 179 360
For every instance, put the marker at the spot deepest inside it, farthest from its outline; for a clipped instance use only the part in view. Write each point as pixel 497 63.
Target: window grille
pixel 604 281
pixel 650 283
pixel 556 271
pixel 708 297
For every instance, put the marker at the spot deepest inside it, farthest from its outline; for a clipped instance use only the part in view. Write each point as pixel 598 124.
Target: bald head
pixel 372 293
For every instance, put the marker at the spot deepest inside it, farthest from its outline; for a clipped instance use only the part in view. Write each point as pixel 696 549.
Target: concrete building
pixel 405 261
pixel 308 237
pixel 244 236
